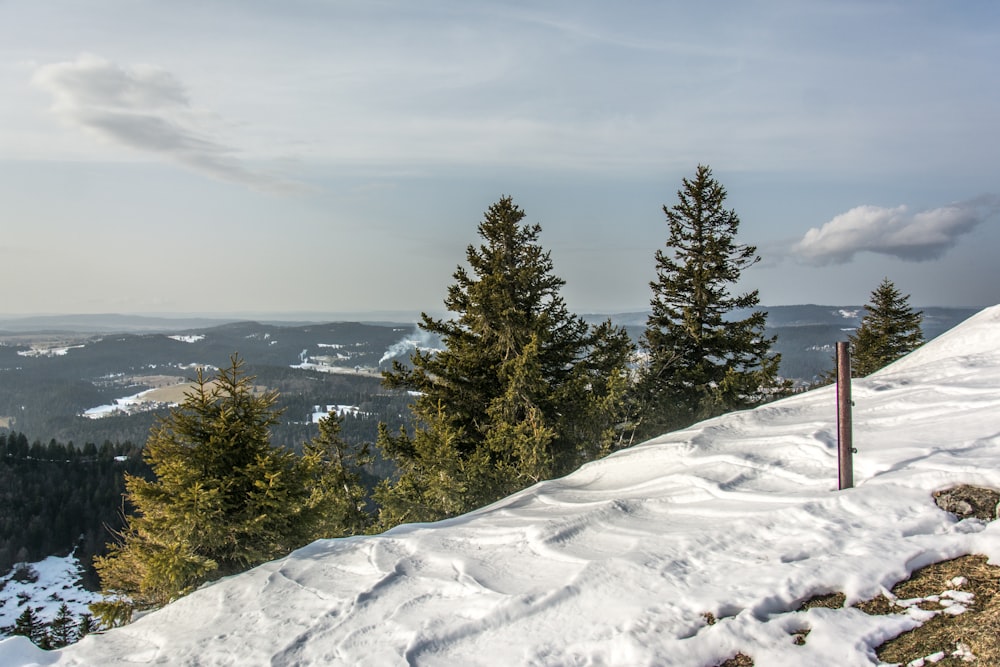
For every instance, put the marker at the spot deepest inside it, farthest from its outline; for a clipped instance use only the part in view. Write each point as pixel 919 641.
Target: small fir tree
pixel 889 330
pixel 223 499
pixel 63 629
pixel 29 625
pixel 86 626
pixel 44 640
pixel 524 390
pixel 703 359
pixel 338 496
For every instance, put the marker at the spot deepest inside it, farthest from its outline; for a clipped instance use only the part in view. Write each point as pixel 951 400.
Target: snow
pixel 623 561
pixel 189 338
pixel 20 651
pixel 58 582
pixel 319 413
pixel 127 405
pixel 345 370
pixel 42 351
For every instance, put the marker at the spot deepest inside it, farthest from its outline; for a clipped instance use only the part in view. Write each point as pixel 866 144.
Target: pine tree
pixel 223 499
pixel 338 496
pixel 889 330
pixel 62 630
pixel 524 390
pixel 702 359
pixel 44 640
pixel 86 626
pixel 29 625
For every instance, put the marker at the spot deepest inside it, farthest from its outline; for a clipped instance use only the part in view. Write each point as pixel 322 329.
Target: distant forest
pixel 57 497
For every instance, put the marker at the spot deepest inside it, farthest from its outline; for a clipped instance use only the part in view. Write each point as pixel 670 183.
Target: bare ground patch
pixel 970 637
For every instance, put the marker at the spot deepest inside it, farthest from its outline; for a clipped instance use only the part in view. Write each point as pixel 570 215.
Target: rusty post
pixel 845 445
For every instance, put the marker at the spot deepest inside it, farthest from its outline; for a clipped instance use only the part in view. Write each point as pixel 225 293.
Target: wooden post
pixel 845 443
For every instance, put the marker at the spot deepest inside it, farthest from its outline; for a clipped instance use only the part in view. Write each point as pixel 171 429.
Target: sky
pixel 328 156
pixel 737 520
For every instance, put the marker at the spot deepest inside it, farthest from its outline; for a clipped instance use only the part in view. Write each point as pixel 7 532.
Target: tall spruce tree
pixel 703 360
pixel 523 391
pixel 223 499
pixel 889 330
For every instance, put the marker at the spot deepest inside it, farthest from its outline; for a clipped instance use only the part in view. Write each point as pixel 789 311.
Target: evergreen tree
pixel 889 330
pixel 62 630
pixel 44 641
pixel 703 359
pixel 523 391
pixel 338 496
pixel 86 626
pixel 29 625
pixel 223 499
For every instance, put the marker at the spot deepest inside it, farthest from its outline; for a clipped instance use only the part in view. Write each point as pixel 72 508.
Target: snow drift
pixel 621 562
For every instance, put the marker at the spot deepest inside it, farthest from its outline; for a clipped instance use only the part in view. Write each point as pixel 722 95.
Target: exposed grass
pixel 971 637
pixel 829 601
pixel 738 660
pixel 169 389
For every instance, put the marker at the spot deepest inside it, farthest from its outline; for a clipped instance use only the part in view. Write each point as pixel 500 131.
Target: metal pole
pixel 844 437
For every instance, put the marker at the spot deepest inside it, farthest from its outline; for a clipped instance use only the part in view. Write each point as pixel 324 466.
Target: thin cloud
pixel 145 109
pixel 896 232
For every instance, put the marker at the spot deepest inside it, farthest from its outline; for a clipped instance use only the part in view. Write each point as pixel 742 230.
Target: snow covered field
pixel 622 562
pixel 140 402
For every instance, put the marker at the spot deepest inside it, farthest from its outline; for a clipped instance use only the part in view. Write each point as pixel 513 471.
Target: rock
pixel 966 501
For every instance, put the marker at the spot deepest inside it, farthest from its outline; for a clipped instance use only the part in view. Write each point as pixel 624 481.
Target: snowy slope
pixel 58 582
pixel 618 563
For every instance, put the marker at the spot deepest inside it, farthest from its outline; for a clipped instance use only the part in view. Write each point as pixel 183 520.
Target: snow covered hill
pixel 622 562
pixel 44 586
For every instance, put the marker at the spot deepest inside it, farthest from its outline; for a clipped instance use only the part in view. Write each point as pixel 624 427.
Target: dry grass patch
pixel 172 394
pixel 970 637
pixel 828 601
pixel 167 389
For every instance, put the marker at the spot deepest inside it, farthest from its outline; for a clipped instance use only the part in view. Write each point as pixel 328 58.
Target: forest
pixel 57 497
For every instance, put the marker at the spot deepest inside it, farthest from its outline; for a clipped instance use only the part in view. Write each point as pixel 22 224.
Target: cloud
pixel 894 231
pixel 145 109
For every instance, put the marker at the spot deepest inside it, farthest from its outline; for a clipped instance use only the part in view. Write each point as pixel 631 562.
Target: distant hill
pixel 104 323
pixel 117 323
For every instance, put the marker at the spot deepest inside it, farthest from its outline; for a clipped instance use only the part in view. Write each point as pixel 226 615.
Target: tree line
pixel 63 630
pixel 524 390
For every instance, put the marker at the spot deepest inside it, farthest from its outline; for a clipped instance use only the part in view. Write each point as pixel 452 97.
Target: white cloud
pixel 145 109
pixel 895 231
